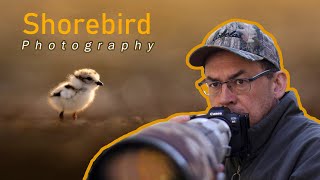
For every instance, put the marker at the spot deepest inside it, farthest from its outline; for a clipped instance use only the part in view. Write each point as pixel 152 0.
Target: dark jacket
pixel 284 145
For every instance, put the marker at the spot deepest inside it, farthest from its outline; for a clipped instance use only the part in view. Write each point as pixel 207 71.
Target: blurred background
pixel 139 87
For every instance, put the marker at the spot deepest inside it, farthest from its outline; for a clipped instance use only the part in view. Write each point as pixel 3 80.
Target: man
pixel 242 72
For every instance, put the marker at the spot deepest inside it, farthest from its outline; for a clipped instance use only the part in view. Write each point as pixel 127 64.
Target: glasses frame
pixel 263 73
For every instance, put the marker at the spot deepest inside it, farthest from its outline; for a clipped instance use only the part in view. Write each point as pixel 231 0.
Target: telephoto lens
pixel 174 151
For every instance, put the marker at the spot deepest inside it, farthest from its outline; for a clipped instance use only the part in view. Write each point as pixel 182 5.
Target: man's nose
pixel 226 96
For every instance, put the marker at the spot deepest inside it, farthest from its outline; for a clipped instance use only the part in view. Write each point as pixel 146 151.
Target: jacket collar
pixel 260 133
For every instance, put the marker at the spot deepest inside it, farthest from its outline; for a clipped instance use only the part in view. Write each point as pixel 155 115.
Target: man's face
pixel 224 66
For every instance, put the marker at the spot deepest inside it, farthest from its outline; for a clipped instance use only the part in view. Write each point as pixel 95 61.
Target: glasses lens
pixel 211 88
pixel 240 85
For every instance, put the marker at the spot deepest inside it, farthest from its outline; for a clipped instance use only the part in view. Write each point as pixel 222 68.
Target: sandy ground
pixel 50 149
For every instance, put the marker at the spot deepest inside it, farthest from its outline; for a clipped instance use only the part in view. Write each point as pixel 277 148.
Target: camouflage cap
pixel 245 40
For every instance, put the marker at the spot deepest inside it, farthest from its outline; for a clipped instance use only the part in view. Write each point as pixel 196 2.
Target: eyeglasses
pixel 237 86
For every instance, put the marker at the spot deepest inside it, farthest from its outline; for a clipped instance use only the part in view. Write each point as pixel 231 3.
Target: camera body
pixel 238 124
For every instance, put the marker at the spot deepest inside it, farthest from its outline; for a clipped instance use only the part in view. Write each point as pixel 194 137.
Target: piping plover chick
pixel 75 94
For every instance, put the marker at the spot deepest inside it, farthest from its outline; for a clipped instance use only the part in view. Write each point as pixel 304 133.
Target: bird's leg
pixel 75 116
pixel 61 115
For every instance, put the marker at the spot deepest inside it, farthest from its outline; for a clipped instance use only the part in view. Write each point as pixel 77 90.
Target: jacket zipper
pixel 236 176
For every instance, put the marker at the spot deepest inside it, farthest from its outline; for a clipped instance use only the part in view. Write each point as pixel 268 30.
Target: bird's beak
pixel 99 83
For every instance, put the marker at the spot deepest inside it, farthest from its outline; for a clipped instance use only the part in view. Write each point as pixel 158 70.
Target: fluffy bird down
pixel 76 93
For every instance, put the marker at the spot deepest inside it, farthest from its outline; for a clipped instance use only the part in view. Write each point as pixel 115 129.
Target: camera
pixel 238 124
pixel 176 151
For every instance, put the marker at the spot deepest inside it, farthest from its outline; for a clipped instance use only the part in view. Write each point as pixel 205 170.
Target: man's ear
pixel 280 84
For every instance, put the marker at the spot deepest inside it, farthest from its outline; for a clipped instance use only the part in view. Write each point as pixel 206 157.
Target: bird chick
pixel 75 94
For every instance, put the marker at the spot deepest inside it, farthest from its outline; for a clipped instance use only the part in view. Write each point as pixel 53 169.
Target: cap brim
pixel 199 56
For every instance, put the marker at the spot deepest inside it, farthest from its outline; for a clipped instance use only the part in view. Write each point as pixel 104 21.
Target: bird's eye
pixel 89 78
